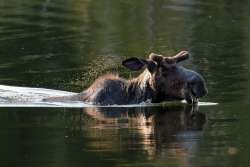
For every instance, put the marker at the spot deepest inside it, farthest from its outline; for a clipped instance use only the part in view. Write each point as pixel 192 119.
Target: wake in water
pixel 13 96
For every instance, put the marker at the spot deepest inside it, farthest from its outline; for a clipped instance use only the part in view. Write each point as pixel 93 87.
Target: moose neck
pixel 140 89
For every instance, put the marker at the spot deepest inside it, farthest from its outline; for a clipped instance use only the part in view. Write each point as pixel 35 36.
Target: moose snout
pixel 196 87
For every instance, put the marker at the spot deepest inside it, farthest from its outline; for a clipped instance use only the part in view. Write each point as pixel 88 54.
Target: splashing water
pixel 13 96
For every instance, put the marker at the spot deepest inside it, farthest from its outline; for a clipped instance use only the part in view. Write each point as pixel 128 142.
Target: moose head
pixel 168 79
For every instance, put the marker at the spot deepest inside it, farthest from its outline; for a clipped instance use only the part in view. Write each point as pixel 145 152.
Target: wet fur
pixel 161 80
pixel 112 89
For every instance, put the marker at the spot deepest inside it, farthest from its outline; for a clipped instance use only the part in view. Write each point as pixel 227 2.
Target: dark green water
pixel 66 44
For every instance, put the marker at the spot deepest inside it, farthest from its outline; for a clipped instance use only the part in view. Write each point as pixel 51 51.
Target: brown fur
pixel 161 80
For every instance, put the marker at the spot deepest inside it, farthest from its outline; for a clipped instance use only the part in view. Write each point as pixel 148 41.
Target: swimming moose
pixel 162 79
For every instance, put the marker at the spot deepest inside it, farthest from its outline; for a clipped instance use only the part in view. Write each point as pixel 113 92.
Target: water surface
pixel 65 45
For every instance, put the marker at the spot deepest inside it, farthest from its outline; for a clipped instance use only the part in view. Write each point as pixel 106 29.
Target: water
pixel 65 45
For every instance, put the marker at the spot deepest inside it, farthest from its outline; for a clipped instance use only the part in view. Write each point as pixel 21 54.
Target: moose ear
pixel 134 63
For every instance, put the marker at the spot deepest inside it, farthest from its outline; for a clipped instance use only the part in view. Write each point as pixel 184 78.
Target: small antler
pixel 183 55
pixel 155 57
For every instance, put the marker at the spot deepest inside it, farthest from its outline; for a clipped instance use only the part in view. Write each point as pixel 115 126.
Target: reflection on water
pixel 164 135
pixel 150 130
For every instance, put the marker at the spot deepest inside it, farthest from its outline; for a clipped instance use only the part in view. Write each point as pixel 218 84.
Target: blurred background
pixel 66 44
